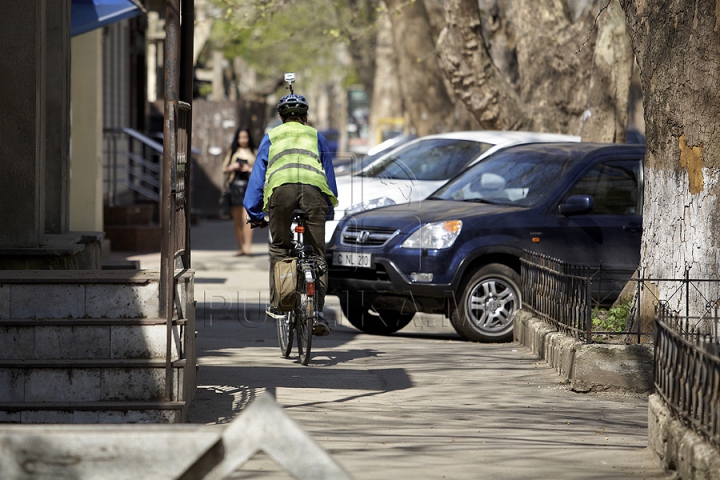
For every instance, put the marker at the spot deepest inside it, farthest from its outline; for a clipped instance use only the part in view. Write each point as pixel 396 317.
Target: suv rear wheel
pixel 370 320
pixel 490 298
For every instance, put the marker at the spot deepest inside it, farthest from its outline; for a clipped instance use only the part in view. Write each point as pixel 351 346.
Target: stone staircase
pixel 90 347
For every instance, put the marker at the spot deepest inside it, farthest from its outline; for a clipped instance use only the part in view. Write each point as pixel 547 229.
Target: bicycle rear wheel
pixel 305 316
pixel 285 333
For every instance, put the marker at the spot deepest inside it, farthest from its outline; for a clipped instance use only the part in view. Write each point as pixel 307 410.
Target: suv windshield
pixel 521 178
pixel 430 159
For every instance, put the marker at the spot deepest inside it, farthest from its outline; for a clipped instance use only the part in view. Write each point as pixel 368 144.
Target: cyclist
pixel 293 169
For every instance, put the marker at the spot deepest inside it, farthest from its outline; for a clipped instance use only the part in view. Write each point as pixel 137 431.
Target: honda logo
pixel 363 236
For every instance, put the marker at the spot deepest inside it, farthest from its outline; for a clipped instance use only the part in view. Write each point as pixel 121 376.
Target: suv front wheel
pixel 370 320
pixel 490 298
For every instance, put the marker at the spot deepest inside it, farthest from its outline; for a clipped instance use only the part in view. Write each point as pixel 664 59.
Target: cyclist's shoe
pixel 321 327
pixel 272 312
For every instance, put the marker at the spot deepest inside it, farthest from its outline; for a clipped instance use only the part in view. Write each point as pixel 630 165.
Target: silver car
pixel 414 170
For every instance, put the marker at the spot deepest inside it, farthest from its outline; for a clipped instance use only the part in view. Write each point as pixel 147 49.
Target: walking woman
pixel 237 166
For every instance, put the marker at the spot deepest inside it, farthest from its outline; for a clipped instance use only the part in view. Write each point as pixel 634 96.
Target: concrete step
pixel 92 412
pixel 89 338
pixel 93 338
pixel 40 381
pixel 80 294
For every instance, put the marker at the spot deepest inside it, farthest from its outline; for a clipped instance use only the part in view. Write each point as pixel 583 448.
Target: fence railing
pixel 687 369
pixel 566 295
pixel 687 347
pixel 557 292
pixel 132 167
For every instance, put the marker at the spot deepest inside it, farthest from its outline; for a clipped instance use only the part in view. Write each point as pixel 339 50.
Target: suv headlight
pixel 435 235
pixel 369 205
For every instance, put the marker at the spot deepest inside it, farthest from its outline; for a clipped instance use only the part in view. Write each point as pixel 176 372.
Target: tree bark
pixel 677 46
pixel 612 67
pixel 426 101
pixel 386 101
pixel 499 37
pixel 475 79
pixel 355 17
pixel 553 65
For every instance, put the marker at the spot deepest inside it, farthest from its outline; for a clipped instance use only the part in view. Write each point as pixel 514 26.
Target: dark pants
pixel 281 204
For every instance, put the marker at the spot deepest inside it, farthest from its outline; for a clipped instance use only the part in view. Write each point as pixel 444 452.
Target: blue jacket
pixel 253 202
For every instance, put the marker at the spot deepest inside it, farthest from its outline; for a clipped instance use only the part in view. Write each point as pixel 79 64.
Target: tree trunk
pixel 425 99
pixel 475 79
pixel 553 65
pixel 677 45
pixel 613 59
pixel 386 99
pixel 499 37
pixel 354 18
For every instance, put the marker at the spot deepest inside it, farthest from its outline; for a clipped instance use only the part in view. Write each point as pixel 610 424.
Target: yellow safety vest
pixel 294 158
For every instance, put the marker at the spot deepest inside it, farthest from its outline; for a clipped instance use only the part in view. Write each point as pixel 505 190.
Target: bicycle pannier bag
pixel 285 279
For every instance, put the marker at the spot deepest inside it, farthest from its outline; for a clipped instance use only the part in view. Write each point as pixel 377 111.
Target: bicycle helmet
pixel 292 103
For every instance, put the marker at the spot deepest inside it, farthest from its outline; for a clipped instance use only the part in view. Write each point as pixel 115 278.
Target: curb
pixel 588 367
pixel 677 447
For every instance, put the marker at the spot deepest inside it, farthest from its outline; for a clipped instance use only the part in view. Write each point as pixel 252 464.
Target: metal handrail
pixel 144 139
pixel 144 191
pixel 174 198
pixel 144 163
pixel 143 166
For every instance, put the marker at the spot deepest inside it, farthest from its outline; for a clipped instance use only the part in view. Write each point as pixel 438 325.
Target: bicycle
pixel 302 318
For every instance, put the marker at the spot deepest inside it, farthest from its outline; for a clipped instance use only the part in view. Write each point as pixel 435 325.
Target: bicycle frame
pixel 305 312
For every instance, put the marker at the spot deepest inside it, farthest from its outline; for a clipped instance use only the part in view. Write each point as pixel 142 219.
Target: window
pixel 435 159
pixel 615 186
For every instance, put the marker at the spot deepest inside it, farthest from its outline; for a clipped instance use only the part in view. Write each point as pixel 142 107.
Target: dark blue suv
pixel 458 252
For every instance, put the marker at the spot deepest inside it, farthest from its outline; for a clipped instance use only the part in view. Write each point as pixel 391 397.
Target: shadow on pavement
pixel 220 235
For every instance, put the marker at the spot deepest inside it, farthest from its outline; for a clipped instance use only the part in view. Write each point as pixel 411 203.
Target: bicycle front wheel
pixel 304 323
pixel 285 333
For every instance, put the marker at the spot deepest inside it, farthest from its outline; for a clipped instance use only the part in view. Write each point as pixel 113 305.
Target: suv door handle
pixel 632 228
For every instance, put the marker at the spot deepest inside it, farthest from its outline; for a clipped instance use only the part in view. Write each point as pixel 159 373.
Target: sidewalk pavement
pixel 224 281
pixel 419 404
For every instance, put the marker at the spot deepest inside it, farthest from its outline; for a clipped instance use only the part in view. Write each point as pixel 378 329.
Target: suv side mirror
pixel 576 205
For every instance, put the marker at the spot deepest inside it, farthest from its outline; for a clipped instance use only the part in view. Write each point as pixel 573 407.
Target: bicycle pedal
pixel 321 329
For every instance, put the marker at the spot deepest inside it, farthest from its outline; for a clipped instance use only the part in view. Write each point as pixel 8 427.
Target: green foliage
pixel 303 36
pixel 612 320
pixel 204 89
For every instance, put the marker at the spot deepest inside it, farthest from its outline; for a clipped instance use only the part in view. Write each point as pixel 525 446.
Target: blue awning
pixel 88 15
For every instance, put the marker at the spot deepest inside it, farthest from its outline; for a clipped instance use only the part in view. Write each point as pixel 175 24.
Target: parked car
pixel 416 169
pixel 351 164
pixel 458 251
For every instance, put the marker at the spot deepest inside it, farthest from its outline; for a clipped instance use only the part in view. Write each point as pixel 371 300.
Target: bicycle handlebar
pixel 262 224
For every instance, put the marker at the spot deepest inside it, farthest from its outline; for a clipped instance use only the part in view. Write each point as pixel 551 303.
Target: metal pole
pixel 638 306
pixel 186 95
pixel 687 294
pixel 167 253
pixel 588 311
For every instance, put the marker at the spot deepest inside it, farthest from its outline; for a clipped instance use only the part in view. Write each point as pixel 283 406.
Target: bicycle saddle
pixel 299 212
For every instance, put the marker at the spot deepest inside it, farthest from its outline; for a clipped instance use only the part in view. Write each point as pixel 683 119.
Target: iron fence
pixel 687 369
pixel 557 292
pixel 687 347
pixel 566 295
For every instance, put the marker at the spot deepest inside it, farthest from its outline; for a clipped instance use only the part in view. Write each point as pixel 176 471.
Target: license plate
pixel 352 259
